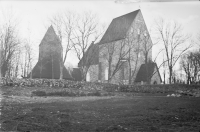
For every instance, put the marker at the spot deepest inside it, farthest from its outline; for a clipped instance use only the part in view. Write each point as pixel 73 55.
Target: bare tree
pixel 184 63
pixel 191 65
pixel 144 47
pixel 164 70
pixel 198 38
pixel 9 46
pixel 146 50
pixel 115 55
pixel 129 52
pixel 133 43
pixel 16 63
pixel 85 32
pixel 139 44
pixel 28 59
pixel 9 43
pixel 1 53
pixel 195 63
pixel 170 34
pixel 64 26
pixel 90 57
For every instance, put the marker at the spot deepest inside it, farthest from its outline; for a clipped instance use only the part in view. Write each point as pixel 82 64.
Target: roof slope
pixel 118 28
pixel 91 55
pixel 50 37
pixel 142 74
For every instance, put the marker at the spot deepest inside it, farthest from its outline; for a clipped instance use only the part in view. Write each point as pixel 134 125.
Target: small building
pixel 148 73
pixel 91 62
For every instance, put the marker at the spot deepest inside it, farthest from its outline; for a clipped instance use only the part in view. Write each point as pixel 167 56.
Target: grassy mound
pixel 70 93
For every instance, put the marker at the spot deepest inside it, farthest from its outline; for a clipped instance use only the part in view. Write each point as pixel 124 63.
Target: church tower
pixel 50 55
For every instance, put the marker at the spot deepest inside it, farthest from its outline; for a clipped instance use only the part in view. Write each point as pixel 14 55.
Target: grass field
pixel 120 112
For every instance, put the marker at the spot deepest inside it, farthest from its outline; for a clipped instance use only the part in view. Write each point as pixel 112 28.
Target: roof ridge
pixel 127 14
pixel 118 27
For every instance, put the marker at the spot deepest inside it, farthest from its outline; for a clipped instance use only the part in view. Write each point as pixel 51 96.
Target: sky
pixel 32 17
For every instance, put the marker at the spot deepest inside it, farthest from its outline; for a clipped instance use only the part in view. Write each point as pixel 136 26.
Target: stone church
pixel 115 62
pixel 50 54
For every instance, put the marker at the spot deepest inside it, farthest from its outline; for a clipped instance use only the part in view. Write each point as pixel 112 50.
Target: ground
pixel 122 112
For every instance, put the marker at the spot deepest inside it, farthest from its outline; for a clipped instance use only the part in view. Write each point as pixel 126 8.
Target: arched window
pixel 145 33
pixel 139 55
pixel 106 73
pixel 138 31
pixel 88 77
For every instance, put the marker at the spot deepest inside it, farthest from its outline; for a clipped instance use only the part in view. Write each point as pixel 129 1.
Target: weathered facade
pixel 50 55
pixel 121 50
pixel 90 62
pixel 123 34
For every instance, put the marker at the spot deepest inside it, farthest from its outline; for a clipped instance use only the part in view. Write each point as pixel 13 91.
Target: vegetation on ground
pixel 120 113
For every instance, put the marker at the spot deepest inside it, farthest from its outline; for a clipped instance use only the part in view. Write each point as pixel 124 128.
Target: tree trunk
pixel 3 73
pixel 170 74
pixel 147 74
pixel 164 77
pixel 129 63
pixel 188 74
pixel 61 70
pixel 4 68
pixel 16 71
pixel 40 68
pixel 52 68
pixel 61 65
pixel 129 72
pixel 0 63
pixel 84 74
pixel 148 77
pixel 31 71
pixel 109 71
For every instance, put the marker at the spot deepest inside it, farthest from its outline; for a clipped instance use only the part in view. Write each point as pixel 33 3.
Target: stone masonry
pixel 50 56
pixel 119 77
pixel 126 34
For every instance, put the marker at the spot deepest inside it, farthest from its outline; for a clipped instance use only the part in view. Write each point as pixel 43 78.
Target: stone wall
pixel 103 59
pixel 49 51
pixel 92 73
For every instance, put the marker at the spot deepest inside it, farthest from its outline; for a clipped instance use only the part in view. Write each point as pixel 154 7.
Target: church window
pixel 88 77
pixel 139 55
pixel 106 73
pixel 138 31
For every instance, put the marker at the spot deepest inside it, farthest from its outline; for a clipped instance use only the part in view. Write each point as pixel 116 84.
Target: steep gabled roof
pixel 91 55
pixel 142 73
pixel 119 27
pixel 50 37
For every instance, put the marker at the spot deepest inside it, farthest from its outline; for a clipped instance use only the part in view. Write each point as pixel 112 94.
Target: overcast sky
pixel 32 16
